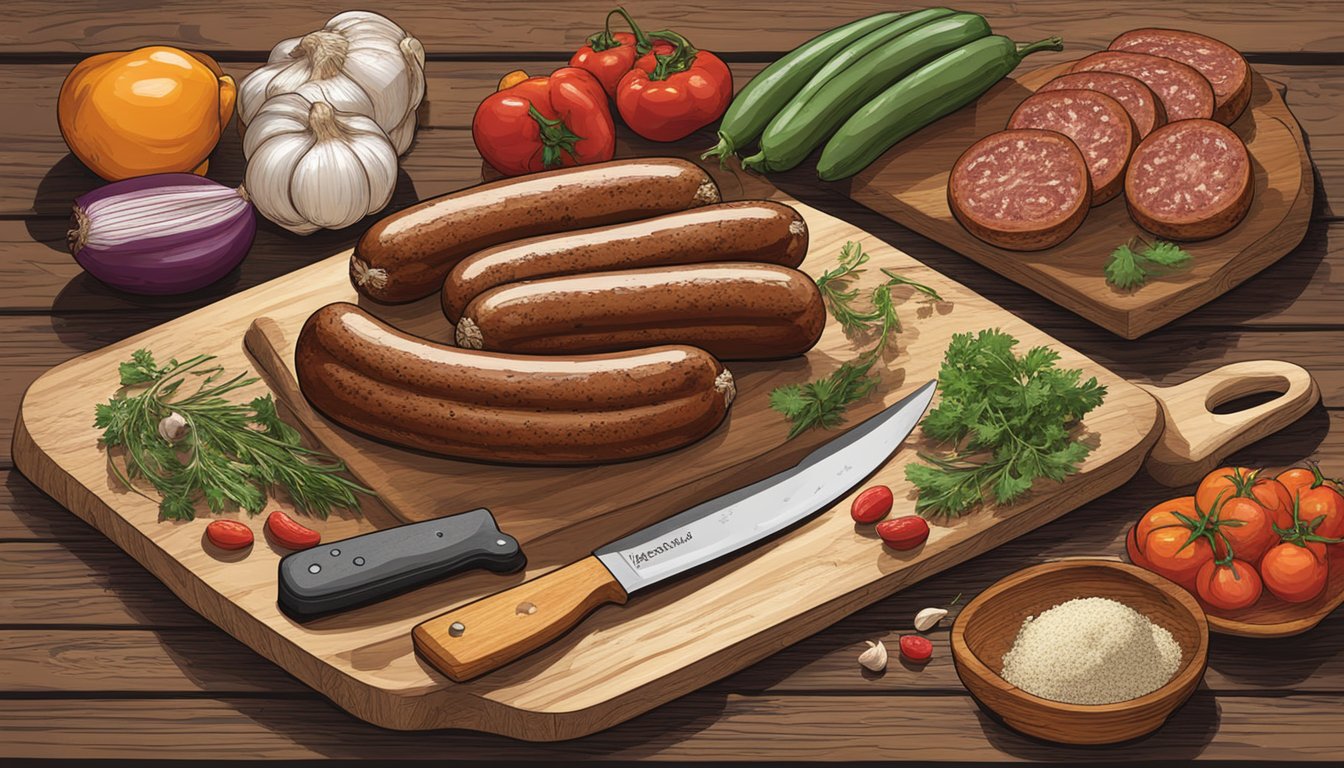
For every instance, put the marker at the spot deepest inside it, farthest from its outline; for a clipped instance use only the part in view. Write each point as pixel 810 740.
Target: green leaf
pixel 1166 254
pixel 1123 270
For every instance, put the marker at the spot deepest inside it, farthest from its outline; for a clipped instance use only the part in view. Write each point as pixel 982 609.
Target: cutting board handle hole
pixel 1235 397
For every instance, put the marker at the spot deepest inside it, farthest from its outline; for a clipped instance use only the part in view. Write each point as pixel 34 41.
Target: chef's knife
pixel 486 634
pixel 344 574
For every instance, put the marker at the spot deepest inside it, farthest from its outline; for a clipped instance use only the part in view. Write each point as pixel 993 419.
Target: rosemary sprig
pixel 230 454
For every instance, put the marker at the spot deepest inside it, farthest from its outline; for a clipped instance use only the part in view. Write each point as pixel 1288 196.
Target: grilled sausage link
pixel 406 256
pixel 413 393
pixel 735 311
pixel 751 230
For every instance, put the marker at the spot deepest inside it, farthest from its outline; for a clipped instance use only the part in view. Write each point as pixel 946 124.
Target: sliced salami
pixel 1184 92
pixel 1189 180
pixel 1023 190
pixel 1219 63
pixel 1143 107
pixel 1097 123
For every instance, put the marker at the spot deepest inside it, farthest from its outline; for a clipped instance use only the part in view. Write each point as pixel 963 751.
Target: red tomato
pixel 1275 499
pixel 1295 573
pixel 1161 542
pixel 608 55
pixel 905 532
pixel 1247 527
pixel 228 534
pixel 545 122
pixel 1222 484
pixel 1325 503
pixel 1296 478
pixel 871 505
pixel 916 648
pixel 668 97
pixel 1229 587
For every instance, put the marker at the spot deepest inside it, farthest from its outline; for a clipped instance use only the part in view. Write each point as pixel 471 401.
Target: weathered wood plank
pixel 44 177
pixel 83 583
pixel 28 514
pixel 464 27
pixel 698 727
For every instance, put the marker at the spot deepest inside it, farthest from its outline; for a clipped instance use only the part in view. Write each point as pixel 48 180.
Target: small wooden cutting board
pixel 908 184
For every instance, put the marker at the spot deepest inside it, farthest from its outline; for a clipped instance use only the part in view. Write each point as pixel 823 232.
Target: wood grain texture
pixel 987 627
pixel 697 728
pixel 572 686
pixel 909 184
pixel 463 27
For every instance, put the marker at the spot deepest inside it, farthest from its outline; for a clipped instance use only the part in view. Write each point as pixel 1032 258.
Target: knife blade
pixel 340 575
pixel 484 635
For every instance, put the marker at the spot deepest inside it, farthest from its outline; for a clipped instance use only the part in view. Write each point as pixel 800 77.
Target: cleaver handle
pixel 486 634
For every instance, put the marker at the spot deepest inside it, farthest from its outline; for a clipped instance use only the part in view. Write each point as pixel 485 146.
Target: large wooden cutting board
pixel 909 185
pixel 622 660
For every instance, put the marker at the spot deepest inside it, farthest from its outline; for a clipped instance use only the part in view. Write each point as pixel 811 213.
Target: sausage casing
pixel 414 393
pixel 735 311
pixel 750 230
pixel 406 256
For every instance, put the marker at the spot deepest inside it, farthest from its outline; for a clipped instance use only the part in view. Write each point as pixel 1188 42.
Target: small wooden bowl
pixel 988 625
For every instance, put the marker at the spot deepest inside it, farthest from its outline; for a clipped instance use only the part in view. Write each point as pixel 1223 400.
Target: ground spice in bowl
pixel 1091 650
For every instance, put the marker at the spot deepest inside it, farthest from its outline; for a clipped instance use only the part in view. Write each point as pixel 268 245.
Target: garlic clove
pixel 173 427
pixel 928 618
pixel 875 658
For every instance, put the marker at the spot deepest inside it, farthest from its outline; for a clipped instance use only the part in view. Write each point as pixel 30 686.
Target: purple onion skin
pixel 164 266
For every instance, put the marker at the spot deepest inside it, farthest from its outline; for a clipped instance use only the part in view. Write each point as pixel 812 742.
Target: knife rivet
pixel 335 553
pixel 359 561
pixel 500 542
pixel 439 534
pixel 457 628
pixel 314 568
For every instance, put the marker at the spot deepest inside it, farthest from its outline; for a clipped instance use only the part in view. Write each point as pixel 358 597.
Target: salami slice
pixel 1219 63
pixel 1143 107
pixel 1023 190
pixel 1097 124
pixel 1189 180
pixel 1184 92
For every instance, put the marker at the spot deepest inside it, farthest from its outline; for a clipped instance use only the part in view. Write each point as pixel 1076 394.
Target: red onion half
pixel 162 234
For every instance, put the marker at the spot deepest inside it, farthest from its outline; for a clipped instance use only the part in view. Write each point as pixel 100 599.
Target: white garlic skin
pixel 360 62
pixel 875 658
pixel 928 618
pixel 312 167
pixel 173 427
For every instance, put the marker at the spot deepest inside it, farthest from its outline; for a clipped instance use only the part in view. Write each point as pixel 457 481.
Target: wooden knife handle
pixel 1196 439
pixel 485 635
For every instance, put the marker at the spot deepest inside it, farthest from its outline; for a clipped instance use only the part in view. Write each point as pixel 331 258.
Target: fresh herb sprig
pixel 230 454
pixel 1008 420
pixel 822 403
pixel 1128 268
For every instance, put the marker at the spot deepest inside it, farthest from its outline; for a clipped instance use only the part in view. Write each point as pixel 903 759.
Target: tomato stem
pixel 679 60
pixel 604 40
pixel 556 138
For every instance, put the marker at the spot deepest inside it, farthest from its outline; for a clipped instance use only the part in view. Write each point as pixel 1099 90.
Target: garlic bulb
pixel 310 167
pixel 173 427
pixel 359 62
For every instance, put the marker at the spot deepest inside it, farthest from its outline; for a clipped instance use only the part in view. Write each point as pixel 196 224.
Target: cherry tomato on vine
pixel 1222 484
pixel 1228 586
pixel 1245 525
pixel 609 55
pixel 668 97
pixel 1295 573
pixel 1163 540
pixel 545 122
pixel 1275 499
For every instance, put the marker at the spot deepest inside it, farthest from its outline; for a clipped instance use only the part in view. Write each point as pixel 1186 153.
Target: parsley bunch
pixel 230 453
pixel 823 402
pixel 1127 269
pixel 1008 419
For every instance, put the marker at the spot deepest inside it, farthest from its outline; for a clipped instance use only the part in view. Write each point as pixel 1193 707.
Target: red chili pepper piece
pixel 905 532
pixel 871 505
pixel 916 649
pixel 290 534
pixel 228 534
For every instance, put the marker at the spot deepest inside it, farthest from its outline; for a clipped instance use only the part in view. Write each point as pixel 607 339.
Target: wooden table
pixel 98 660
